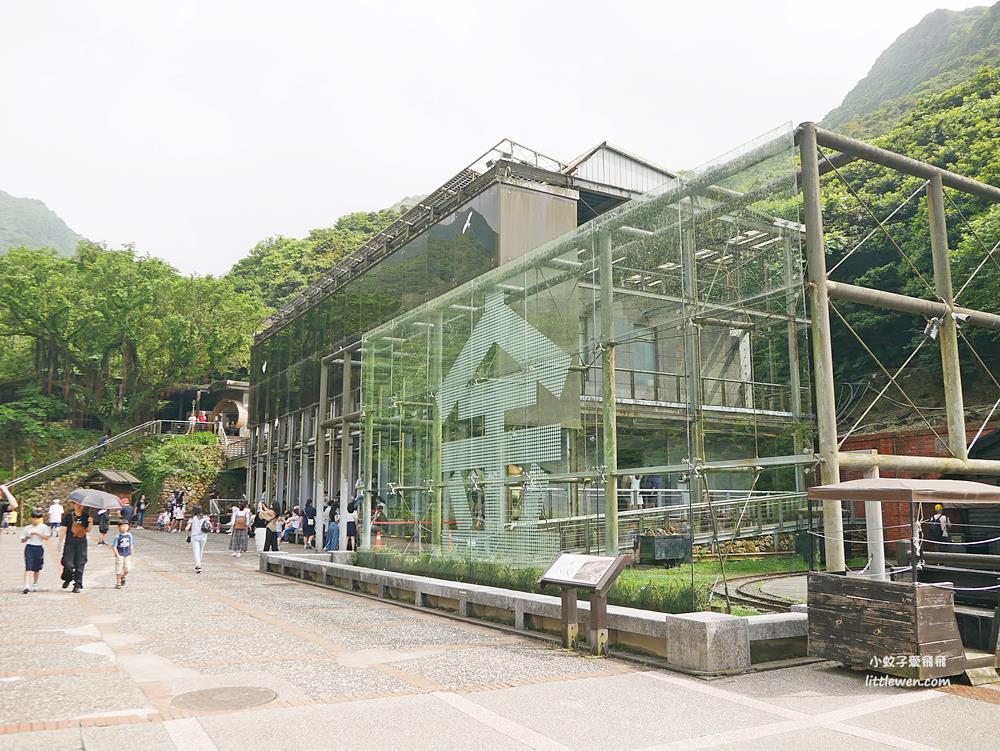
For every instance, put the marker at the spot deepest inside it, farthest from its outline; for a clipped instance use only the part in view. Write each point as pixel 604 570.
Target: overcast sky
pixel 194 129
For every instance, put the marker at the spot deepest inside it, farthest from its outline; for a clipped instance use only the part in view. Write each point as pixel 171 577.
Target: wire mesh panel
pixel 487 406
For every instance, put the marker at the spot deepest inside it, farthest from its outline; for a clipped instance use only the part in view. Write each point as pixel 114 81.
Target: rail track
pixel 739 593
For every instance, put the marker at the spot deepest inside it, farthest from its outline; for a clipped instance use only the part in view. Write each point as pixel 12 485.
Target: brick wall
pixel 896 516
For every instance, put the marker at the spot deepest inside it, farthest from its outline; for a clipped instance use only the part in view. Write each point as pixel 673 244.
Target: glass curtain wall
pixel 485 410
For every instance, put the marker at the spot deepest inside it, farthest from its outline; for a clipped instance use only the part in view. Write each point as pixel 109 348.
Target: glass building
pixel 305 416
pixel 645 369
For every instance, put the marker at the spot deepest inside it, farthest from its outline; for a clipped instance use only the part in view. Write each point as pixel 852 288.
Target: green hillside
pixel 29 223
pixel 944 49
pixel 957 129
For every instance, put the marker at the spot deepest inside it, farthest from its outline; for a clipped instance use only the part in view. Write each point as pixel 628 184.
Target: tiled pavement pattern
pixel 233 659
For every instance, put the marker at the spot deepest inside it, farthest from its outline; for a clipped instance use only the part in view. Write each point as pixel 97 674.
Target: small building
pixel 115 481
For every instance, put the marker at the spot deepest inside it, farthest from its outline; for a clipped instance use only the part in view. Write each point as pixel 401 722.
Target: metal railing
pixel 145 430
pixel 665 387
pixel 236 448
pixel 38 476
pixel 737 515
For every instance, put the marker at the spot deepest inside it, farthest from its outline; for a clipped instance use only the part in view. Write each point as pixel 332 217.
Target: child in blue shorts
pixel 34 537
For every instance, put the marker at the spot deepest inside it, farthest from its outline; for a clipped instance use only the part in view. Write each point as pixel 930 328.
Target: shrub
pixel 668 596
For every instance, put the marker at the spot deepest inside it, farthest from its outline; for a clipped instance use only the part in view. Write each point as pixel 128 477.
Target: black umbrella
pixel 93 498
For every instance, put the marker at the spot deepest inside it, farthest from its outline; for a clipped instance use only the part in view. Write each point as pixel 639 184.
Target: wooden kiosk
pixel 902 627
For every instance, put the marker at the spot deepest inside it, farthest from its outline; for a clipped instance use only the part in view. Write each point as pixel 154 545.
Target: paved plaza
pixel 235 659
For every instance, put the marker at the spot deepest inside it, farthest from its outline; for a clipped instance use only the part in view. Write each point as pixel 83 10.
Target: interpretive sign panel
pixel 595 572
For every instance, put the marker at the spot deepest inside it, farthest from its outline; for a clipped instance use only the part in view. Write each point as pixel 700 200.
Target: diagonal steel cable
pixel 978 358
pixel 989 257
pixel 889 376
pixel 871 213
pixel 983 426
pixel 881 393
pixel 876 230
pixel 992 378
pixel 989 251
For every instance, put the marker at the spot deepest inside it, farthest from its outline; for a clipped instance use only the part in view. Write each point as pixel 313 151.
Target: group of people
pixel 197 421
pixel 171 516
pixel 77 522
pixel 268 524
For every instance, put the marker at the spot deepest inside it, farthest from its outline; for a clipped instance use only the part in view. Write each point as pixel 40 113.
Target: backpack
pixel 206 525
pixel 241 522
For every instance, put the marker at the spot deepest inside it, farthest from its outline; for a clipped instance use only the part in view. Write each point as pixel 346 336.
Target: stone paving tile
pixel 419 723
pixel 618 712
pixel 459 668
pixel 796 688
pixel 69 739
pixel 947 721
pixel 816 738
pixel 187 648
pixel 144 736
pixel 67 696
pixel 18 658
pixel 322 679
pixel 419 634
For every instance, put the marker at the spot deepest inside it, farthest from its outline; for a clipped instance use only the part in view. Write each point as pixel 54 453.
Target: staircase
pixel 87 455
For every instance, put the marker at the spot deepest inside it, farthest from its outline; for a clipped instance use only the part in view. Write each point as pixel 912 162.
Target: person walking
pixel 352 526
pixel 332 530
pixel 140 511
pixel 128 511
pixel 192 423
pixel 34 537
pixel 198 527
pixel 239 529
pixel 309 525
pixel 74 555
pixel 56 512
pixel 260 520
pixel 178 522
pixel 271 530
pixel 103 525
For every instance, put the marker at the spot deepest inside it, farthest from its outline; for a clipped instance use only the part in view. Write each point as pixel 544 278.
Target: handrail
pixel 129 434
pixel 148 428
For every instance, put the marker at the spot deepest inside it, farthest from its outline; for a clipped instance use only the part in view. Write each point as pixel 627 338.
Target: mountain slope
pixel 944 49
pixel 27 222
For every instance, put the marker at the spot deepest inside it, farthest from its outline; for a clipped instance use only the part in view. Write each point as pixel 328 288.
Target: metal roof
pixel 955 493
pixel 113 477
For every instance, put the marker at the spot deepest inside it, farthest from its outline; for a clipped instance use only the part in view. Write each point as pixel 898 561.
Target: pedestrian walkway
pixel 235 659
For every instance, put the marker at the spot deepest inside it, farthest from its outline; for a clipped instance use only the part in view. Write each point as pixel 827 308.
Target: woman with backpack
pixel 198 527
pixel 239 526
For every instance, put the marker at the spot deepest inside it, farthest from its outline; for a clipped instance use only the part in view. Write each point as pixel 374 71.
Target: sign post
pixel 596 573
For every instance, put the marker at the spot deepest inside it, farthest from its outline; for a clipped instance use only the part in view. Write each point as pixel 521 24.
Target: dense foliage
pixel 277 268
pixel 958 129
pixel 109 332
pixel 27 222
pixel 944 49
pixel 190 458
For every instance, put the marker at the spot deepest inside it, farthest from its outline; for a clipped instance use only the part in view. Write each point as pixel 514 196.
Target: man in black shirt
pixel 74 557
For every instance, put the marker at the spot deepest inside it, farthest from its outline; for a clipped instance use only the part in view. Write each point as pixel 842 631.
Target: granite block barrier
pixel 702 642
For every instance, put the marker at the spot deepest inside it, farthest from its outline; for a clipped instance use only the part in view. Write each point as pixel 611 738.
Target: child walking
pixel 34 537
pixel 124 546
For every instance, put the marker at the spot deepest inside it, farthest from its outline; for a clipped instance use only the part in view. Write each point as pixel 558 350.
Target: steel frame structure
pixel 822 291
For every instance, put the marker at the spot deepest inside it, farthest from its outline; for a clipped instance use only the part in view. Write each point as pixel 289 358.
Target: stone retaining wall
pixel 694 642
